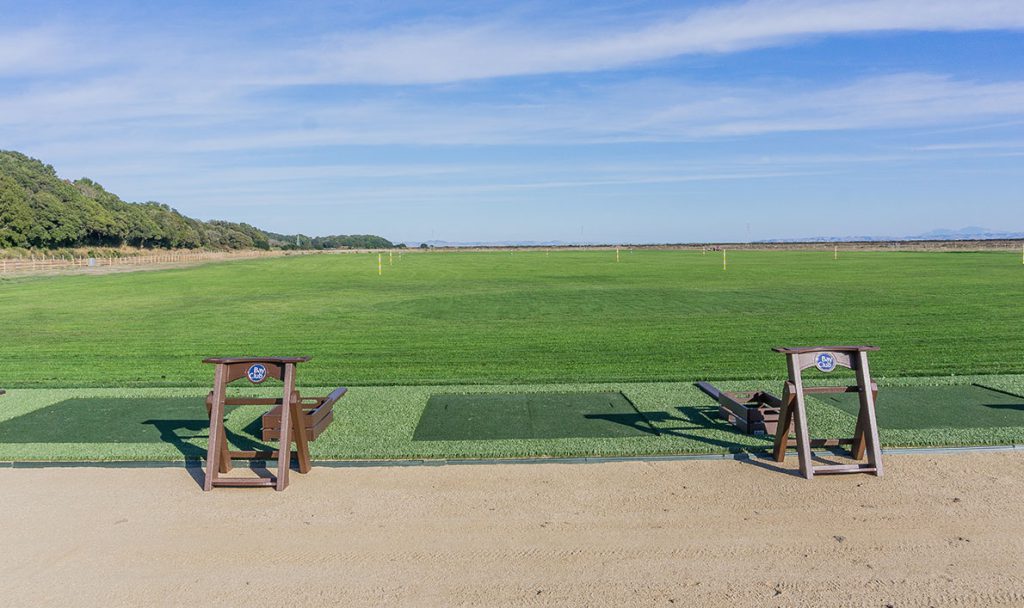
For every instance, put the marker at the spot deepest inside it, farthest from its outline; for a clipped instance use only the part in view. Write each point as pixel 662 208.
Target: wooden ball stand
pixel 292 419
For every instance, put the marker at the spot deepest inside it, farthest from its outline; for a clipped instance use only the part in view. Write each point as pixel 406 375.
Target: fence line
pixel 41 263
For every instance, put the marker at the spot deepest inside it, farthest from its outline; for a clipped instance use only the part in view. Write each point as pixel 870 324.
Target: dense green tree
pixel 38 209
pixel 15 214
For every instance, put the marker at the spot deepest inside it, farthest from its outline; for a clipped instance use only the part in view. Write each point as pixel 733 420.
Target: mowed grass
pixel 528 317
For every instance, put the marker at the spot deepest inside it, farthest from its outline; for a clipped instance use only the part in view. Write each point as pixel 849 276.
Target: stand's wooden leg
pixel 785 423
pixel 803 440
pixel 301 443
pixel 214 449
pixel 284 459
pixel 225 453
pixel 860 435
pixel 803 437
pixel 867 405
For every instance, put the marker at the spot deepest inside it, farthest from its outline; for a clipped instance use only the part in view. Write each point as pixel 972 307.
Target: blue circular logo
pixel 825 362
pixel 256 373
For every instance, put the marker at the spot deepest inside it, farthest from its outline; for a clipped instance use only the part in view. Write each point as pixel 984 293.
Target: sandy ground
pixel 938 530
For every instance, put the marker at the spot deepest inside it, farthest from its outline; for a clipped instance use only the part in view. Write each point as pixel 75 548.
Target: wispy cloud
pixel 636 111
pixel 42 50
pixel 428 53
pixel 972 145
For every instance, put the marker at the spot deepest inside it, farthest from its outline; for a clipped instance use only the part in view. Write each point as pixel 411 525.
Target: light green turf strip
pixel 378 423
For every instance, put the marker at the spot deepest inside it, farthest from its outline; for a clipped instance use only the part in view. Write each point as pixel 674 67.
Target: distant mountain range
pixel 970 233
pixel 491 244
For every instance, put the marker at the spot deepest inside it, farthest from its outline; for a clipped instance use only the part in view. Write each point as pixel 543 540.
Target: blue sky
pixel 485 121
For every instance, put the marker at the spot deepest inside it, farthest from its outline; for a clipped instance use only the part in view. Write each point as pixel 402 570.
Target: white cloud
pixel 449 53
pixel 40 50
pixel 142 118
pixel 895 101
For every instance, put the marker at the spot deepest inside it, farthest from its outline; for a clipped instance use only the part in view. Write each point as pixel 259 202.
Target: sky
pixel 603 122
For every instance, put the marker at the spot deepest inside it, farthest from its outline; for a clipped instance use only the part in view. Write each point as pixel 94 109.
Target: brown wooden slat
pixel 813 349
pixel 311 415
pixel 708 389
pixel 256 454
pixel 823 443
pixel 844 468
pixel 252 401
pixel 244 482
pixel 817 390
pixel 273 434
pixel 234 360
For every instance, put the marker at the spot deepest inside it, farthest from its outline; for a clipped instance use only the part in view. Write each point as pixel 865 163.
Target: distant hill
pixel 336 241
pixel 971 233
pixel 492 244
pixel 39 209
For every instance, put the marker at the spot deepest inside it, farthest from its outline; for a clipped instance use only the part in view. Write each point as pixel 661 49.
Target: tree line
pixel 40 210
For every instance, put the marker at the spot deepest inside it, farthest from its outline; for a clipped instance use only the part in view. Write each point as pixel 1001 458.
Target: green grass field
pixel 82 351
pixel 477 318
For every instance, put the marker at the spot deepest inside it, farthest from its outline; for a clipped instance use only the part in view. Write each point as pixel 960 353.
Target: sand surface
pixel 937 530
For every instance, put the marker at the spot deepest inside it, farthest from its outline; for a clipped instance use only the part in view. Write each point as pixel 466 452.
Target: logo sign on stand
pixel 825 362
pixel 256 373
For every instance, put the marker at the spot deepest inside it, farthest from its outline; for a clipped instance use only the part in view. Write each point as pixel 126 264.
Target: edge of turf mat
pixel 342 464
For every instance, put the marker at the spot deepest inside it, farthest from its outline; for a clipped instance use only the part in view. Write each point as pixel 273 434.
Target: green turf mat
pixel 172 420
pixel 451 417
pixel 936 407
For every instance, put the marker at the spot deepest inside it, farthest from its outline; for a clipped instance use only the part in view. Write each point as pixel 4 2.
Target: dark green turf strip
pixel 171 420
pixel 935 407
pixel 450 417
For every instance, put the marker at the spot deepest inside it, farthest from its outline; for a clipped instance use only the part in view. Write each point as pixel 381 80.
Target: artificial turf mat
pixel 936 407
pixel 139 420
pixel 456 417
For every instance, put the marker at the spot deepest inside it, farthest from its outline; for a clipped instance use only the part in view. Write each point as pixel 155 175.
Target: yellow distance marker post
pixel 616 254
pixel 380 264
pixel 835 253
pixel 725 262
pixel 391 258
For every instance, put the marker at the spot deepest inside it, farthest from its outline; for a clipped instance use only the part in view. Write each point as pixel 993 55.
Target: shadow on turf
pixel 692 418
pixel 172 420
pixel 1018 407
pixel 689 418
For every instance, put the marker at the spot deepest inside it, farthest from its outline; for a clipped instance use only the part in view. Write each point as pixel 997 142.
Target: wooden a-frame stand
pixel 256 370
pixel 793 414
